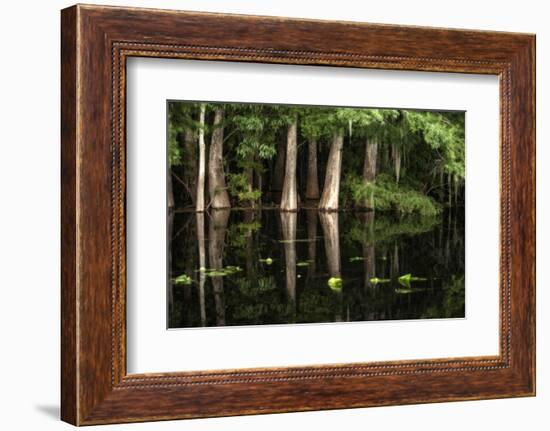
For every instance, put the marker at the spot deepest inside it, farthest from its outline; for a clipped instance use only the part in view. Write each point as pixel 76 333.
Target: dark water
pixel 268 267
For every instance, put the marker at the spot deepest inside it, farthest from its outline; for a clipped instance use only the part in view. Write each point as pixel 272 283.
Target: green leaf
pixel 376 280
pixel 183 279
pixel 405 280
pixel 335 283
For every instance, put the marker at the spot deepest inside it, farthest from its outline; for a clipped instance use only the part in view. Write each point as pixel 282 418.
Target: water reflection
pixel 288 230
pixel 251 267
pixel 216 244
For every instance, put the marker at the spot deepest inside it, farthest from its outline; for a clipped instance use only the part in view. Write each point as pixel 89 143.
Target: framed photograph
pixel 265 214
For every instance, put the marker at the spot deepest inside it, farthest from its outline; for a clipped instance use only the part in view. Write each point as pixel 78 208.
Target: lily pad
pixel 376 280
pixel 357 258
pixel 408 290
pixel 216 273
pixel 231 269
pixel 405 280
pixel 404 291
pixel 183 279
pixel 335 283
pixel 221 272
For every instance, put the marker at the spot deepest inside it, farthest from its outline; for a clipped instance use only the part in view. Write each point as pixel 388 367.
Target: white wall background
pixel 29 216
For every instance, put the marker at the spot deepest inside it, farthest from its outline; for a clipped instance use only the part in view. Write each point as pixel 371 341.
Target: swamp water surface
pixel 255 267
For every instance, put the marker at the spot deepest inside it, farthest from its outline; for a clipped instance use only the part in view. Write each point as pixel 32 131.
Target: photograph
pixel 275 209
pixel 285 214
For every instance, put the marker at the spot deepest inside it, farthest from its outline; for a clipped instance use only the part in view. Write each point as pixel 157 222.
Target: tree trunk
pixel 312 184
pixel 457 189
pixel 329 223
pixel 450 189
pixel 331 189
pixel 202 265
pixel 216 176
pixel 396 155
pixel 259 181
pixel 249 173
pixel 279 169
pixel 441 182
pixel 289 200
pixel 288 227
pixel 169 190
pixel 369 168
pixel 216 245
pixel 190 163
pixel 202 162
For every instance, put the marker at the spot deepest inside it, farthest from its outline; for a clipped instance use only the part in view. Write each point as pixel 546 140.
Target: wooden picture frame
pixel 95 43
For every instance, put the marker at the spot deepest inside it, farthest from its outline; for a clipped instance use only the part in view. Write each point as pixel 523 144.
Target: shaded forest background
pixel 330 158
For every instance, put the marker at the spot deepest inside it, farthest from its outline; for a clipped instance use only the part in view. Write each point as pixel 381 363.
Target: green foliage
pixel 181 117
pixel 238 232
pixel 253 300
pixel 422 151
pixel 444 133
pixel 453 300
pixel 238 186
pixel 386 228
pixel 260 285
pixel 361 122
pixel 175 127
pixel 312 123
pixel 389 196
pixel 255 126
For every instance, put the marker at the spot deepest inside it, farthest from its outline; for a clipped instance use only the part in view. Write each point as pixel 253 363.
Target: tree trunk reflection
pixel 369 254
pixel 311 220
pixel 216 236
pixel 329 223
pixel 202 265
pixel 170 230
pixel 288 228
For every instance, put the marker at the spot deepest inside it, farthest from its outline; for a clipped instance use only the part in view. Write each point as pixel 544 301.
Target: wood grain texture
pixel 96 41
pixel 69 397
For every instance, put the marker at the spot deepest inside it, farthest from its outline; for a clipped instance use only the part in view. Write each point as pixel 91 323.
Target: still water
pixel 255 267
